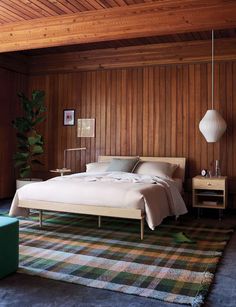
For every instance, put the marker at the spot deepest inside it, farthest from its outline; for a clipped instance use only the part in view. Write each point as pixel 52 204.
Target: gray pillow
pixel 122 165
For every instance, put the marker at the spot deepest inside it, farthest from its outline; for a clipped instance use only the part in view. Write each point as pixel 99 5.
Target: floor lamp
pixel 68 150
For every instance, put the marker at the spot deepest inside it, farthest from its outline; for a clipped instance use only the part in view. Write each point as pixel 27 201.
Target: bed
pixel 123 195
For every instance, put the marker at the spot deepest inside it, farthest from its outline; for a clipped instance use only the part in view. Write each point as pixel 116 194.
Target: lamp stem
pixel 212 69
pixel 64 160
pixel 70 149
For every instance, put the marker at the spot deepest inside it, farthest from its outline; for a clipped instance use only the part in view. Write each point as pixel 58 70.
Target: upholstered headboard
pixel 179 173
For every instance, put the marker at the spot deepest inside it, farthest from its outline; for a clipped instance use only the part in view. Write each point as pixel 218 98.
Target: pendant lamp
pixel 212 125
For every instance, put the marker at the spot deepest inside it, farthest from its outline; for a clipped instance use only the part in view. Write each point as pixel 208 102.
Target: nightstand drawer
pixel 210 184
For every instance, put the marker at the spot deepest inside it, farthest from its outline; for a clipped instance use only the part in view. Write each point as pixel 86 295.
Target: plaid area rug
pixel 71 248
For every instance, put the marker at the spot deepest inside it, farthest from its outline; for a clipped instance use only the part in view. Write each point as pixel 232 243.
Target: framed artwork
pixel 69 117
pixel 86 128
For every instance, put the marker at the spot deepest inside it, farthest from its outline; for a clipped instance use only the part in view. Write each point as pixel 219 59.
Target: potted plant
pixel 29 141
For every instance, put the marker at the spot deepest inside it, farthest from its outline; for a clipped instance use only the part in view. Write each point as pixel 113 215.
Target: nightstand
pixel 210 192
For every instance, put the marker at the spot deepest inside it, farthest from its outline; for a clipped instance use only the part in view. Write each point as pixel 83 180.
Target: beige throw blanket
pixel 158 197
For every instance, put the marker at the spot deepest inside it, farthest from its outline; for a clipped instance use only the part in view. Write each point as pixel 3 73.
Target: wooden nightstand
pixel 210 192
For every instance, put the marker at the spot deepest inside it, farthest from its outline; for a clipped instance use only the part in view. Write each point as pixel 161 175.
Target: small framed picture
pixel 69 117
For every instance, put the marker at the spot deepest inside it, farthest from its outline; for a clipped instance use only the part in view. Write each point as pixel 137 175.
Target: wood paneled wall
pixel 11 83
pixel 150 111
pixel 146 110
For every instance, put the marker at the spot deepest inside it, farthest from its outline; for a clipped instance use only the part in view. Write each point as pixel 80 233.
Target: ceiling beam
pixel 149 19
pixel 15 62
pixel 135 56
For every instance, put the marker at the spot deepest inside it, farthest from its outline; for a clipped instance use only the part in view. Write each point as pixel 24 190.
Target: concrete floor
pixel 25 291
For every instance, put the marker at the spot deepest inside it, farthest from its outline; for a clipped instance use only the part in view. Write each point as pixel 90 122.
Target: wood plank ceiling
pixel 18 10
pixel 32 24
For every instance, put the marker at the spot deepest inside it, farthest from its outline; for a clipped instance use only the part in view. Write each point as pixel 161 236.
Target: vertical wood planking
pixel 124 117
pixel 134 110
pixel 108 113
pixel 140 116
pixel 152 111
pixel 173 114
pixel 84 81
pixel 152 116
pixel 222 100
pixel 11 84
pixel 145 108
pixel 191 115
pixel 167 112
pixel 129 113
pixel 93 115
pixel 203 108
pixel 232 139
pixel 117 112
pixel 162 111
pixel 179 110
pixel 197 115
pixel 113 112
pixel 229 119
pixel 88 115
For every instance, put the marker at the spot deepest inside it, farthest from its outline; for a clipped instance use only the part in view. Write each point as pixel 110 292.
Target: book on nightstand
pixel 208 192
pixel 210 203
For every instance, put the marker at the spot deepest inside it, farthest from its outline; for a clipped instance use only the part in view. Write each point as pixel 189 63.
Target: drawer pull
pixel 208 183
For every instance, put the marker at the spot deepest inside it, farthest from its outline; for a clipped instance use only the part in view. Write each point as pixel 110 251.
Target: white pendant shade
pixel 212 126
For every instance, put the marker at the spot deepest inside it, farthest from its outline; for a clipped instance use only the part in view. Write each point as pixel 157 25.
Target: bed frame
pixel 99 211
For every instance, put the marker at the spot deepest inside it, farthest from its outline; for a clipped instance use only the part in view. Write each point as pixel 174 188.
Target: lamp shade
pixel 212 126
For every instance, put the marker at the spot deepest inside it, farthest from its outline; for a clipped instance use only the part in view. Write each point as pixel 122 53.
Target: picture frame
pixel 86 127
pixel 69 117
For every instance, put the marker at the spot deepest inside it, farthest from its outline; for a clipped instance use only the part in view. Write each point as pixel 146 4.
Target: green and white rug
pixel 71 248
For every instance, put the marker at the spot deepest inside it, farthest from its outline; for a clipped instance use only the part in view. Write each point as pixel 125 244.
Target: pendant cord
pixel 212 69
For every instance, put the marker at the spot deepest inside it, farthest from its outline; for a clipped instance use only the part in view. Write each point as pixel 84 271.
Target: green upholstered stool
pixel 9 245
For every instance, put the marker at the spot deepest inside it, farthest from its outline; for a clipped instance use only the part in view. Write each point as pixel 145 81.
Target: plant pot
pixel 21 182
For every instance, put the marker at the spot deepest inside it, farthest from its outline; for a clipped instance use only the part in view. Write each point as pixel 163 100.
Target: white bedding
pixel 179 184
pixel 158 197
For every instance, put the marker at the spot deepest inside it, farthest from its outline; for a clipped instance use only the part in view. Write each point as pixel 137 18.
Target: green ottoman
pixel 9 245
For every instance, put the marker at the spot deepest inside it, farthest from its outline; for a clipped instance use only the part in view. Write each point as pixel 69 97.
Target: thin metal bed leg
pixel 40 218
pixel 142 228
pixel 177 220
pixel 99 221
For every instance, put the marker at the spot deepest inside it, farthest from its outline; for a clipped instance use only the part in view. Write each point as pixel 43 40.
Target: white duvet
pixel 158 197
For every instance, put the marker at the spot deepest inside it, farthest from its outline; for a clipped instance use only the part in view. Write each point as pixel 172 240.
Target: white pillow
pixel 97 167
pixel 161 169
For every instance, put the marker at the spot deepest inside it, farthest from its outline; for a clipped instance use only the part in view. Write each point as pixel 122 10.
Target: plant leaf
pixel 20 163
pixel 30 143
pixel 33 139
pixel 21 156
pixel 37 149
pixel 39 120
pixel 25 171
pixel 22 124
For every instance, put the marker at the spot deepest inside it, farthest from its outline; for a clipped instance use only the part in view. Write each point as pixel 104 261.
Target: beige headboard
pixel 179 173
